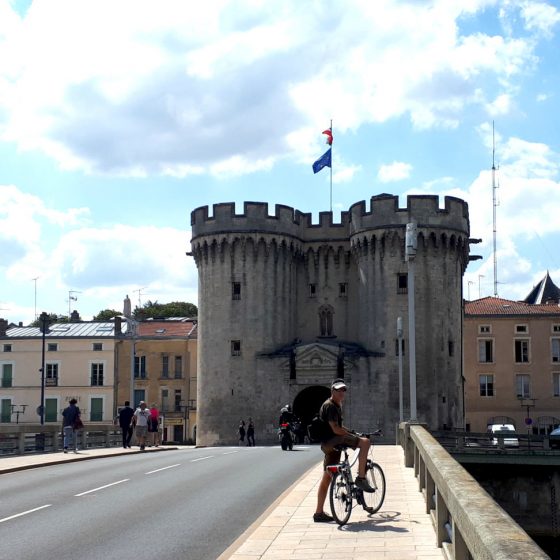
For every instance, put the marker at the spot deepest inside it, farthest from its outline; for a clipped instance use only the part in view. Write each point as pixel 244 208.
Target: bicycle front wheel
pixel 372 501
pixel 340 495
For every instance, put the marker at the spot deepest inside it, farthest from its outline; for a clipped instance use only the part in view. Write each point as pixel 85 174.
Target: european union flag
pixel 323 161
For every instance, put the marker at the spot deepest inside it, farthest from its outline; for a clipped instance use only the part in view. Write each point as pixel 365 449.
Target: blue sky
pixel 117 119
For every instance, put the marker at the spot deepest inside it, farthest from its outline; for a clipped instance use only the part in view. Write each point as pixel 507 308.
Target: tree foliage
pixel 52 318
pixel 107 315
pixel 154 310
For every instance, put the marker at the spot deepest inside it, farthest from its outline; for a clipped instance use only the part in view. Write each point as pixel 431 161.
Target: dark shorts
pixel 332 455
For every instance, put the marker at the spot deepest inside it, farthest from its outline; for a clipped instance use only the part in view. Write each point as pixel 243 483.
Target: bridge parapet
pixel 468 522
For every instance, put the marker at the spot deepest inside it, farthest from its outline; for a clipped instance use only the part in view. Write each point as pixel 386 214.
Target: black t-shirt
pixel 330 412
pixel 125 416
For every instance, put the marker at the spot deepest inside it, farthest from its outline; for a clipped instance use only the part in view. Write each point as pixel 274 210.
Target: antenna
pixel 494 204
pixel 71 298
pixel 35 309
pixel 140 290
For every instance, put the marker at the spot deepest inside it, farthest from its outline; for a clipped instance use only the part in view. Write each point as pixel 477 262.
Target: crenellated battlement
pixel 383 212
pixel 256 219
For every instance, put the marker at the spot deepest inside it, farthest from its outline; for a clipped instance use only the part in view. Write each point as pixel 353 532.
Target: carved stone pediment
pixel 317 357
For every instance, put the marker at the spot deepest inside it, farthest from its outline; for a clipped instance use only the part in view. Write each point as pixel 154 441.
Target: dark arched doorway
pixel 308 402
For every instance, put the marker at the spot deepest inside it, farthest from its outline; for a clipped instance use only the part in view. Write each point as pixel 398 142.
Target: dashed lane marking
pixel 102 487
pixel 163 468
pixel 24 513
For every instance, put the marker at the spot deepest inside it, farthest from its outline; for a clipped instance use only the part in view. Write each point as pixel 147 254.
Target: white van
pixel 503 429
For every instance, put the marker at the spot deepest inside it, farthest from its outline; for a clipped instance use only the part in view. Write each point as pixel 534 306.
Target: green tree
pixel 153 310
pixel 106 315
pixel 53 318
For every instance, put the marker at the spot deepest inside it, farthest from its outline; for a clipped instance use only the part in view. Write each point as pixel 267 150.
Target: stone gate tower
pixel 286 305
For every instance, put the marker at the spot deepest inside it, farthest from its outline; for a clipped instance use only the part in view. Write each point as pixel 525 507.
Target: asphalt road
pixel 187 504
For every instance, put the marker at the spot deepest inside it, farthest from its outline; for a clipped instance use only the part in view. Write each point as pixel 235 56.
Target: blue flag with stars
pixel 323 161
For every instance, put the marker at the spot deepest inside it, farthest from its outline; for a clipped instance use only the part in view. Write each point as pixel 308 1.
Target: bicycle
pixel 343 491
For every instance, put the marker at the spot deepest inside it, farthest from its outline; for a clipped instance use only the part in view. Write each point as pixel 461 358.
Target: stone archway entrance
pixel 308 402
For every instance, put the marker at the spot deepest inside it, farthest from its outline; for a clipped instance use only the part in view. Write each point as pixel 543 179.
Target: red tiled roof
pixel 165 329
pixel 499 306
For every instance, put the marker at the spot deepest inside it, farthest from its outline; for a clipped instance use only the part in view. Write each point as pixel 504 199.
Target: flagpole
pixel 331 164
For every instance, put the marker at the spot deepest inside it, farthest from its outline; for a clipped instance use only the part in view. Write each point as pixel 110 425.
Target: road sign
pixel 528 421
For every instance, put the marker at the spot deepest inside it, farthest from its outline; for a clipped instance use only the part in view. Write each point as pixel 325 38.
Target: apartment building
pixel 512 361
pixel 156 362
pixel 78 363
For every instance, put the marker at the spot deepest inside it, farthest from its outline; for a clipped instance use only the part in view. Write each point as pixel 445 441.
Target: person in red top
pixel 153 425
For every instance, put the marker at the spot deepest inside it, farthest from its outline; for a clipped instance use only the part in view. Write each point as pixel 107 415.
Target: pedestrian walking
pixel 241 431
pixel 70 420
pixel 153 426
pixel 250 433
pixel 125 422
pixel 141 420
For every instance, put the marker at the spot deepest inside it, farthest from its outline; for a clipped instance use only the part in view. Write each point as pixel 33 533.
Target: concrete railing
pixel 468 523
pixel 23 439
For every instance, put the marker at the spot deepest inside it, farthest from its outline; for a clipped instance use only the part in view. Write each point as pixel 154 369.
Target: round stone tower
pixel 286 305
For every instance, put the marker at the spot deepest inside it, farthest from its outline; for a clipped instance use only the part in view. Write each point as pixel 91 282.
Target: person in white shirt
pixel 140 420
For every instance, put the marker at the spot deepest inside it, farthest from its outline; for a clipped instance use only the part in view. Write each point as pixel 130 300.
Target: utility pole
pixel 44 326
pixel 35 307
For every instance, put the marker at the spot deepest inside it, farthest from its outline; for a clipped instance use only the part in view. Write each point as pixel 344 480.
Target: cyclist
pixel 337 434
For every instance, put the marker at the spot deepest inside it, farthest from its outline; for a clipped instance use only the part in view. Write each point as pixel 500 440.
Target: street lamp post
pixel 399 342
pixel 132 329
pixel 411 242
pixel 44 326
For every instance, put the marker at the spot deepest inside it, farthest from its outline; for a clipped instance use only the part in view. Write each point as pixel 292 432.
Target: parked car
pixel 503 429
pixel 554 438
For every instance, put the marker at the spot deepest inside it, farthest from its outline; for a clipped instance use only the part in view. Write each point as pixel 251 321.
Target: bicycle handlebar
pixel 376 433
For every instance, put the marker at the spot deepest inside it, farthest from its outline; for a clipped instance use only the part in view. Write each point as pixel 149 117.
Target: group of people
pixel 146 422
pixel 248 431
pixel 143 421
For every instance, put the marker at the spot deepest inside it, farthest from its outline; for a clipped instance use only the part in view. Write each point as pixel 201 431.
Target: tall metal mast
pixel 494 204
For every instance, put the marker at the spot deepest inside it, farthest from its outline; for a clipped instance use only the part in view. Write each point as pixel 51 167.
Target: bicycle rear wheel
pixel 340 496
pixel 372 501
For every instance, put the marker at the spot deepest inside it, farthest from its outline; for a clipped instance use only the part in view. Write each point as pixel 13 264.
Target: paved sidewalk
pixel 20 462
pixel 399 531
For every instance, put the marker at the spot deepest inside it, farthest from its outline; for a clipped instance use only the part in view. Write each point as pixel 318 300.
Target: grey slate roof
pixel 86 329
pixel 545 291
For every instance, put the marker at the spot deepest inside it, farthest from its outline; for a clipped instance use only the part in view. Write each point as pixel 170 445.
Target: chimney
pixel 3 327
pixel 118 326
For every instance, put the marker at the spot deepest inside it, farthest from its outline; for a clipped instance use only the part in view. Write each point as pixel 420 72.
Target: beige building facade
pixel 512 364
pixel 157 364
pixel 79 363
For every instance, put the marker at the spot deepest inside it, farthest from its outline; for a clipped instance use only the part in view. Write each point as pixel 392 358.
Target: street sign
pixel 528 421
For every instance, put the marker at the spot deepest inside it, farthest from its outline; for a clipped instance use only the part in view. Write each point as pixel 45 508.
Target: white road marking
pixel 202 458
pixel 163 468
pixel 24 513
pixel 102 487
pixel 230 452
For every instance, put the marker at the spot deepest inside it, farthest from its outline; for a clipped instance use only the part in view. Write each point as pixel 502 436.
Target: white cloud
pixel 103 263
pixel 396 171
pixel 540 17
pixel 170 90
